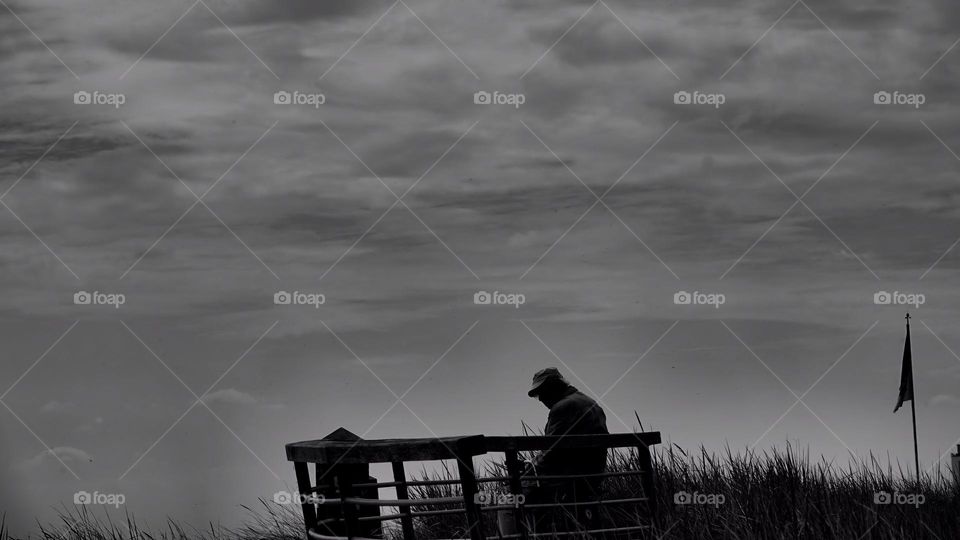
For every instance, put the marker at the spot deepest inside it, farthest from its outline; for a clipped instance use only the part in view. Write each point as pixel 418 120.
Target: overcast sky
pixel 598 198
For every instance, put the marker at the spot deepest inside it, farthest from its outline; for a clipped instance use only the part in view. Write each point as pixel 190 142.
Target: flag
pixel 906 374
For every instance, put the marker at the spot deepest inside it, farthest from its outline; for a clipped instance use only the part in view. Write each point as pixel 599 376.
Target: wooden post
pixel 468 484
pixel 321 473
pixel 403 494
pixel 516 487
pixel 955 465
pixel 304 488
pixel 647 480
pixel 332 515
pixel 345 483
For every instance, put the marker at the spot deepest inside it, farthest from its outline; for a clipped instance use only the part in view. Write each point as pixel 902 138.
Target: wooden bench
pixel 333 505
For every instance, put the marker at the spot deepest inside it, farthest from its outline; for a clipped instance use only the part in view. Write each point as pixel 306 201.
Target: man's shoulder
pixel 574 400
pixel 580 413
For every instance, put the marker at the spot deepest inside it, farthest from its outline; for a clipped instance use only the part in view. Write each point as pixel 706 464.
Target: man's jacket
pixel 574 414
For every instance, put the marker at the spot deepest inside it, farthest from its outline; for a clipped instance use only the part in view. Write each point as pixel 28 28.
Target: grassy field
pixel 780 493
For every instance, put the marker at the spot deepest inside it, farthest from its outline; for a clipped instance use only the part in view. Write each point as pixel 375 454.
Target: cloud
pixel 231 396
pixel 59 407
pixel 597 39
pixel 944 399
pixel 296 11
pixel 67 454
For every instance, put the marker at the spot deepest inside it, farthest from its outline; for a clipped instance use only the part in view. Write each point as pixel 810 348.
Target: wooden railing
pixel 341 501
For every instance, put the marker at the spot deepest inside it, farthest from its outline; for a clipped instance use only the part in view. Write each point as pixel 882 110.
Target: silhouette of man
pixel 571 413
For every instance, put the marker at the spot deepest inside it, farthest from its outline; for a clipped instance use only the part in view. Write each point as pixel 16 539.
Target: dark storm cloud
pixel 538 163
pixel 191 40
pixel 299 11
pixel 199 36
pixel 514 202
pixel 849 15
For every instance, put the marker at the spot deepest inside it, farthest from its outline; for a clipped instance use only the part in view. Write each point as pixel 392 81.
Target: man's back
pixel 575 413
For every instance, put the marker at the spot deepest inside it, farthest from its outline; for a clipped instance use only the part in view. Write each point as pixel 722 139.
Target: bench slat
pixel 389 450
pixel 543 442
pixel 384 450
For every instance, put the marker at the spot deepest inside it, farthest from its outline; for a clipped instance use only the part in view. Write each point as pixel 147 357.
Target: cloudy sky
pixel 619 181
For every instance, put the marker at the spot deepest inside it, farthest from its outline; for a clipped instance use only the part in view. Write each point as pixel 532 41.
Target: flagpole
pixel 913 408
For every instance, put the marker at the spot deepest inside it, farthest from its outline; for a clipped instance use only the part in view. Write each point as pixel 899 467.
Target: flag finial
pixel 908 316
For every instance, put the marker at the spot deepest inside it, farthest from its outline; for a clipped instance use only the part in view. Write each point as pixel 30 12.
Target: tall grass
pixel 780 493
pixel 785 494
pixel 270 521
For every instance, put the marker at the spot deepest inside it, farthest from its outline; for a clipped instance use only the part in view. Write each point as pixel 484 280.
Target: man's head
pixel 548 386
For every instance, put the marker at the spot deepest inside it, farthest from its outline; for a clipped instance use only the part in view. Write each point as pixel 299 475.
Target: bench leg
pixel 304 488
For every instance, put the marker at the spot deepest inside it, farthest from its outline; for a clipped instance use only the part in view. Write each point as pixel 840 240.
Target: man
pixel 571 413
